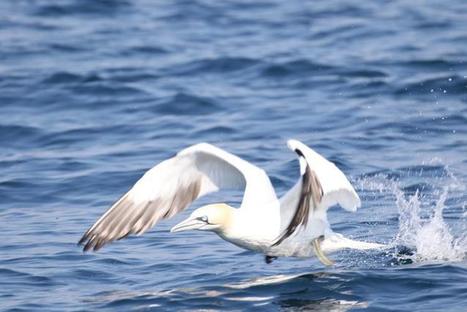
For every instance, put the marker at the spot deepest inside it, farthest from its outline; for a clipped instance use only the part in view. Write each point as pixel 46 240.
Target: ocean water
pixel 94 93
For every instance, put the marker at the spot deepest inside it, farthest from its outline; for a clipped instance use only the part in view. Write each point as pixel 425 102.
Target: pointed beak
pixel 188 224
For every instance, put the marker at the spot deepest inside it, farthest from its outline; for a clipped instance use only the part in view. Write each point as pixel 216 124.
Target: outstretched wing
pixel 321 185
pixel 173 185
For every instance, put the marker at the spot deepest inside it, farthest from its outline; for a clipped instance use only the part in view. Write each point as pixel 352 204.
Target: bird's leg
pixel 269 259
pixel 319 253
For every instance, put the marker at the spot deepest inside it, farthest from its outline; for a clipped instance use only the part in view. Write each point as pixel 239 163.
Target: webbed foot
pixel 319 253
pixel 269 259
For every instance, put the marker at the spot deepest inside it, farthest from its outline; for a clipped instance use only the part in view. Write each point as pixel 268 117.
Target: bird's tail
pixel 333 242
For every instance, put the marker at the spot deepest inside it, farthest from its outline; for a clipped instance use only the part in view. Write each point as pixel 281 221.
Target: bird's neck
pixel 247 231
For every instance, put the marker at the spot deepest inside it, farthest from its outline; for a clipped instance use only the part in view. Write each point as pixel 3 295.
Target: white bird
pixel 294 225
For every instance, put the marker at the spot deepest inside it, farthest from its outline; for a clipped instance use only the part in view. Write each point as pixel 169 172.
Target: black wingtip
pixel 89 245
pixel 93 243
pixel 299 152
pixel 82 240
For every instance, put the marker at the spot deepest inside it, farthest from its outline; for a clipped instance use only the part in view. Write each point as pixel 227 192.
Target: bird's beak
pixel 188 224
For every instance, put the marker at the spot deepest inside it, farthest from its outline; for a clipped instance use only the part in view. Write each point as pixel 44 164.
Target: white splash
pixel 431 238
pixel 422 227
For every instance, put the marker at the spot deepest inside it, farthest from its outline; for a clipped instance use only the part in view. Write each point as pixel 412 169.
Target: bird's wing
pixel 321 185
pixel 173 185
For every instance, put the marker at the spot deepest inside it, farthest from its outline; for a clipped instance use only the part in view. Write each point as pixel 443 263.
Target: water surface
pixel 94 93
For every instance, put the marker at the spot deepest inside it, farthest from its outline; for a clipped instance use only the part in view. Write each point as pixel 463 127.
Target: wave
pixel 15 277
pixel 296 67
pixel 70 8
pixel 63 78
pixel 221 65
pixel 187 104
pixel 445 85
pixel 14 136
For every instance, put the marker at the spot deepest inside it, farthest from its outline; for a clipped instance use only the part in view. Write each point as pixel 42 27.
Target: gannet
pixel 294 225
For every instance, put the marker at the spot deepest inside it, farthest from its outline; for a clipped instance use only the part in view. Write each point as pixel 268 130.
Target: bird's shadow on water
pixel 330 290
pixel 316 291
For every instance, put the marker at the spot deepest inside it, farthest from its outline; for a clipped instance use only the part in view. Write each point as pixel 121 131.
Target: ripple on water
pixel 13 278
pixel 187 104
pixel 221 65
pixel 74 8
pixel 452 85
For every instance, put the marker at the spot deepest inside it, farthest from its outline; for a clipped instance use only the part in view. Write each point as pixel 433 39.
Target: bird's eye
pixel 204 219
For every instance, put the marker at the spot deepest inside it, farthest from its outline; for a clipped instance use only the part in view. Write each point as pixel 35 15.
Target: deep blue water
pixel 93 93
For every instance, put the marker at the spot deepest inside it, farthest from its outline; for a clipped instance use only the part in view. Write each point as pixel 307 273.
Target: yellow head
pixel 214 217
